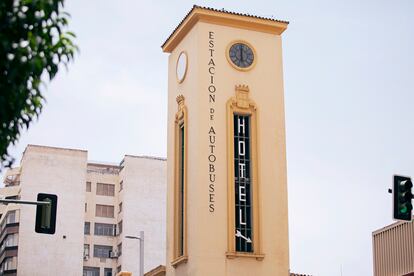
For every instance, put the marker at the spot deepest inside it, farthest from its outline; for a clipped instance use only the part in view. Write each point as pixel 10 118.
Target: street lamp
pixel 141 251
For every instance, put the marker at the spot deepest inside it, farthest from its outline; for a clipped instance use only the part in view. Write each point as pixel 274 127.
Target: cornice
pixel 224 18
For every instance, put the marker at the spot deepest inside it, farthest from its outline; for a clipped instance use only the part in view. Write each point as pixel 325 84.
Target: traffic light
pixel 402 198
pixel 46 214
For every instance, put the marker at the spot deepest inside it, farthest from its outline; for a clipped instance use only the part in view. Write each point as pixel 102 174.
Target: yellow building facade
pixel 227 211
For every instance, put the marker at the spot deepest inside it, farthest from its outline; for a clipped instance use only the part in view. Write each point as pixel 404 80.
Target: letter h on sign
pixel 241 125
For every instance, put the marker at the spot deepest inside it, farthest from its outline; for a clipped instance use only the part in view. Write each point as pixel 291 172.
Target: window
pixel 87 228
pixel 180 249
pixel 9 264
pixel 120 227
pixel 104 229
pixel 88 186
pixel 90 271
pixel 120 208
pixel 86 207
pixel 121 185
pixel 105 189
pixel 106 211
pixel 11 240
pixel 101 251
pixel 11 217
pixel 243 213
pixel 107 271
pixel 119 247
pixel 86 250
pixel 181 191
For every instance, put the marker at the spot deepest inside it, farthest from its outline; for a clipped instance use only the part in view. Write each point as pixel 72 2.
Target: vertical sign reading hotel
pixel 242 179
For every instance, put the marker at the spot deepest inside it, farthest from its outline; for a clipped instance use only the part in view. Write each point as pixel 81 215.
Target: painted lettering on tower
pixel 211 132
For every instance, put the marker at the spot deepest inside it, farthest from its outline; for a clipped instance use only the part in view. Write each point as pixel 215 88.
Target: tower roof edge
pixel 222 17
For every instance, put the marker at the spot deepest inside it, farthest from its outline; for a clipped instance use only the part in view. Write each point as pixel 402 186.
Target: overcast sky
pixel 348 72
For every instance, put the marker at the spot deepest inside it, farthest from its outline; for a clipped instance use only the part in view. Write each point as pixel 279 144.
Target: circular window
pixel 181 68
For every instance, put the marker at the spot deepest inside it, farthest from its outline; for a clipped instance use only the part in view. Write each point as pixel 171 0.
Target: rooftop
pixel 90 162
pixel 391 226
pixel 225 18
pixel 147 157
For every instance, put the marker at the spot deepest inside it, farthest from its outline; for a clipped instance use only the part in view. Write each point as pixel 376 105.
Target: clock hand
pixel 241 53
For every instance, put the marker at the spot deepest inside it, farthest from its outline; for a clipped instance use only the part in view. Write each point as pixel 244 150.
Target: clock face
pixel 181 67
pixel 241 55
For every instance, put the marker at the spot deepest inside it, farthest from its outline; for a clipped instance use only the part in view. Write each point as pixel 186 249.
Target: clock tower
pixel 227 211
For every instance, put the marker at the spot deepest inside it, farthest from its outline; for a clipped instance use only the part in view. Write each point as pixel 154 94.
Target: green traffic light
pixel 402 205
pixel 405 208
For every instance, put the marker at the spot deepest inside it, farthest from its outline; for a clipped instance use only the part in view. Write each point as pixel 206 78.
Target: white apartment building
pixel 98 205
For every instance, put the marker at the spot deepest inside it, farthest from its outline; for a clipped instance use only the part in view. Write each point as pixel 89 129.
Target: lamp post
pixel 141 251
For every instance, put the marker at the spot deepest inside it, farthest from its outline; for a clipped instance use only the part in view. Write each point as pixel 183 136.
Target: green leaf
pixel 21 82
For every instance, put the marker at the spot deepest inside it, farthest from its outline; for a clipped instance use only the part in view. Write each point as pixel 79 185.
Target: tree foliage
pixel 34 42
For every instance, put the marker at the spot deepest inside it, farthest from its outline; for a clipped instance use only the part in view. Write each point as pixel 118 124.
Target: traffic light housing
pixel 46 214
pixel 402 198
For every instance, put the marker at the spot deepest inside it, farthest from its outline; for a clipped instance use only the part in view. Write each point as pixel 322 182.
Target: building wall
pixel 144 201
pixel 9 223
pixel 105 174
pixel 60 172
pixel 190 44
pixel 65 172
pixel 393 249
pixel 207 231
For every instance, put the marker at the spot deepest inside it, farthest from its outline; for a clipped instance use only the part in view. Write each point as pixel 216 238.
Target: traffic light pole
pixel 16 201
pixel 141 251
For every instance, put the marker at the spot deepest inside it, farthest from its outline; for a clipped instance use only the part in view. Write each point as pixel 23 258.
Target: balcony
pixel 12 178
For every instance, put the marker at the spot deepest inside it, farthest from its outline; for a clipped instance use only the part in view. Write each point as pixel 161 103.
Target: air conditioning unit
pixel 113 254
